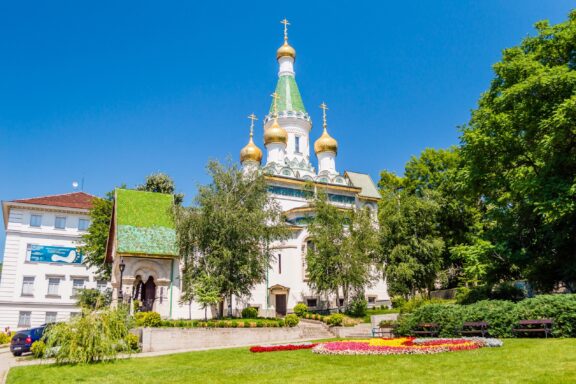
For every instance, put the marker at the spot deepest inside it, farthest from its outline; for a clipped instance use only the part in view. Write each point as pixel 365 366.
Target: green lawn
pixel 519 361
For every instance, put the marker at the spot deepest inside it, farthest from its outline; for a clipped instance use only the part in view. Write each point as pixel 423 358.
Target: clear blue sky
pixel 111 91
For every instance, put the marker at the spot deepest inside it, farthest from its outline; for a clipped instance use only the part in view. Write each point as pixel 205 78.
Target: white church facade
pixel 145 262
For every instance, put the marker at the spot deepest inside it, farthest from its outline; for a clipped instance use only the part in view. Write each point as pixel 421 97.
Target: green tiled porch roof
pixel 144 224
pixel 289 96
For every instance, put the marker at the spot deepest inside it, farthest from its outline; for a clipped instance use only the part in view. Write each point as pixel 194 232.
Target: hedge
pixel 500 315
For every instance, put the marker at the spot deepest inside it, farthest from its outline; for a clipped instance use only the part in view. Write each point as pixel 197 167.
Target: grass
pixel 519 361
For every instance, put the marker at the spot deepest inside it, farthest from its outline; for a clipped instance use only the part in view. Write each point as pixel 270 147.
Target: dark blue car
pixel 23 340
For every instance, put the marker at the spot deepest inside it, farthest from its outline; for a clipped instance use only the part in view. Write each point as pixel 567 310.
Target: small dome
pixel 275 134
pixel 326 143
pixel 286 50
pixel 250 152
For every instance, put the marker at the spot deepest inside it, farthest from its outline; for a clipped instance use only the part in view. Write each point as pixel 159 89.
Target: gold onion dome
pixel 251 152
pixel 275 134
pixel 286 50
pixel 325 143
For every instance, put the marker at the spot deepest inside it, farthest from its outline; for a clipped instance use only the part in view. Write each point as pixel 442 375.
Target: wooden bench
pixel 426 329
pixel 474 328
pixel 383 332
pixel 534 326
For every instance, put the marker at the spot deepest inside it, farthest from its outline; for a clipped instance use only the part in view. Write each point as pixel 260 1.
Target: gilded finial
pixel 324 108
pixel 253 118
pixel 286 24
pixel 275 97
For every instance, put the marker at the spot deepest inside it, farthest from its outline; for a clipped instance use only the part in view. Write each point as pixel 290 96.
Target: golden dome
pixel 325 143
pixel 286 50
pixel 275 134
pixel 250 152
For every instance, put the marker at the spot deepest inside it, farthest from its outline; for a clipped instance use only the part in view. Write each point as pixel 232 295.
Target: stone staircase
pixel 362 330
pixel 315 330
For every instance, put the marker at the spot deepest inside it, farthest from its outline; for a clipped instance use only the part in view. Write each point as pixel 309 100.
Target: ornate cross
pixel 286 24
pixel 324 107
pixel 275 97
pixel 253 118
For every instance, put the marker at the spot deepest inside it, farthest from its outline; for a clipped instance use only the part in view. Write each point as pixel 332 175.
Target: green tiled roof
pixel 289 95
pixel 144 224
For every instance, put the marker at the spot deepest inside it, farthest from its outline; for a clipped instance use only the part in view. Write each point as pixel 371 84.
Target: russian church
pixel 144 258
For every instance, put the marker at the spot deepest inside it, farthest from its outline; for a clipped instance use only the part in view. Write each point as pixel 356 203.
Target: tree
pixel 345 245
pixel 161 183
pixel 519 150
pixel 95 239
pixel 228 232
pixel 411 245
pixel 206 292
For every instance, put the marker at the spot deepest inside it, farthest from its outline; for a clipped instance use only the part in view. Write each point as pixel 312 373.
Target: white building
pixel 152 270
pixel 42 270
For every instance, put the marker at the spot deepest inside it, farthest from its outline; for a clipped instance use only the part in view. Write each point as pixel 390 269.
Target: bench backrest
pixel 536 322
pixel 475 324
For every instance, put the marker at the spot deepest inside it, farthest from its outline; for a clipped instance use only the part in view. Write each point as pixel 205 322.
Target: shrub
pixel 5 338
pixel 260 324
pixel 92 299
pixel 504 291
pixel 133 342
pixel 281 323
pixel 38 349
pixel 398 301
pixel 94 336
pixel 357 307
pixel 148 319
pixel 291 320
pixel 335 320
pixel 234 324
pixel 501 315
pixel 249 313
pixel 300 309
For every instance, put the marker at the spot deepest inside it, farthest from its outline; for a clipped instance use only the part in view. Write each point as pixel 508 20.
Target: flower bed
pixel 402 345
pixel 285 347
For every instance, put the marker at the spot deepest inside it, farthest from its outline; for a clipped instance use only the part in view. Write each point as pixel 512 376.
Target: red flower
pixel 286 347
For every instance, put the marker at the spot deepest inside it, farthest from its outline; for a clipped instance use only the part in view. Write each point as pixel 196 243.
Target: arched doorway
pixel 148 294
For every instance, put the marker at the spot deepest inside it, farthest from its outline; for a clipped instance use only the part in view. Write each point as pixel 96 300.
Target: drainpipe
pixel 171 285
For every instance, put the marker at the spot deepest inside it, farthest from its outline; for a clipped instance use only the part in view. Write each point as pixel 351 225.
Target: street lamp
pixel 122 267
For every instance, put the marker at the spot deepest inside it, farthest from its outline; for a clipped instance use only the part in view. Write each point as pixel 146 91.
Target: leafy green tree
pixel 519 150
pixel 92 299
pixel 161 183
pixel 411 244
pixel 95 239
pixel 228 232
pixel 345 247
pixel 206 292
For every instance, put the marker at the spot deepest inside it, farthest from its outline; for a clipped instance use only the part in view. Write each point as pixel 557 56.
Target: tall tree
pixel 227 233
pixel 519 150
pixel 411 245
pixel 345 247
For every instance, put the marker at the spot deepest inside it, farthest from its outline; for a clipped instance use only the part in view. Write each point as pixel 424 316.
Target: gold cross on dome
pixel 286 24
pixel 253 118
pixel 275 97
pixel 324 107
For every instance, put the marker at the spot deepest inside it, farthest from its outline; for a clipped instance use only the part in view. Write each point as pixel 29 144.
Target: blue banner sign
pixel 46 254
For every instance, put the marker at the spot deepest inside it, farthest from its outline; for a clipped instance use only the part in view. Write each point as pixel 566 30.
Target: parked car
pixel 23 340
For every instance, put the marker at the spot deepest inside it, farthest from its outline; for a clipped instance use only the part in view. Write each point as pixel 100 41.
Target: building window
pixel 24 319
pixel 28 286
pixel 371 299
pixel 83 224
pixel 35 220
pixel 101 285
pixel 312 302
pixel 60 222
pixel 53 286
pixel 279 263
pixel 51 317
pixel 297 144
pixel 340 302
pixel 77 286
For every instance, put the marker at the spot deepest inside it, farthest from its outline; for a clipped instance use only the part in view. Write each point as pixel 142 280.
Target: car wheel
pixel 17 354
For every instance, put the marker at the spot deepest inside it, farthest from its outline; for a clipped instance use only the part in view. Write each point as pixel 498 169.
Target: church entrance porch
pixel 279 297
